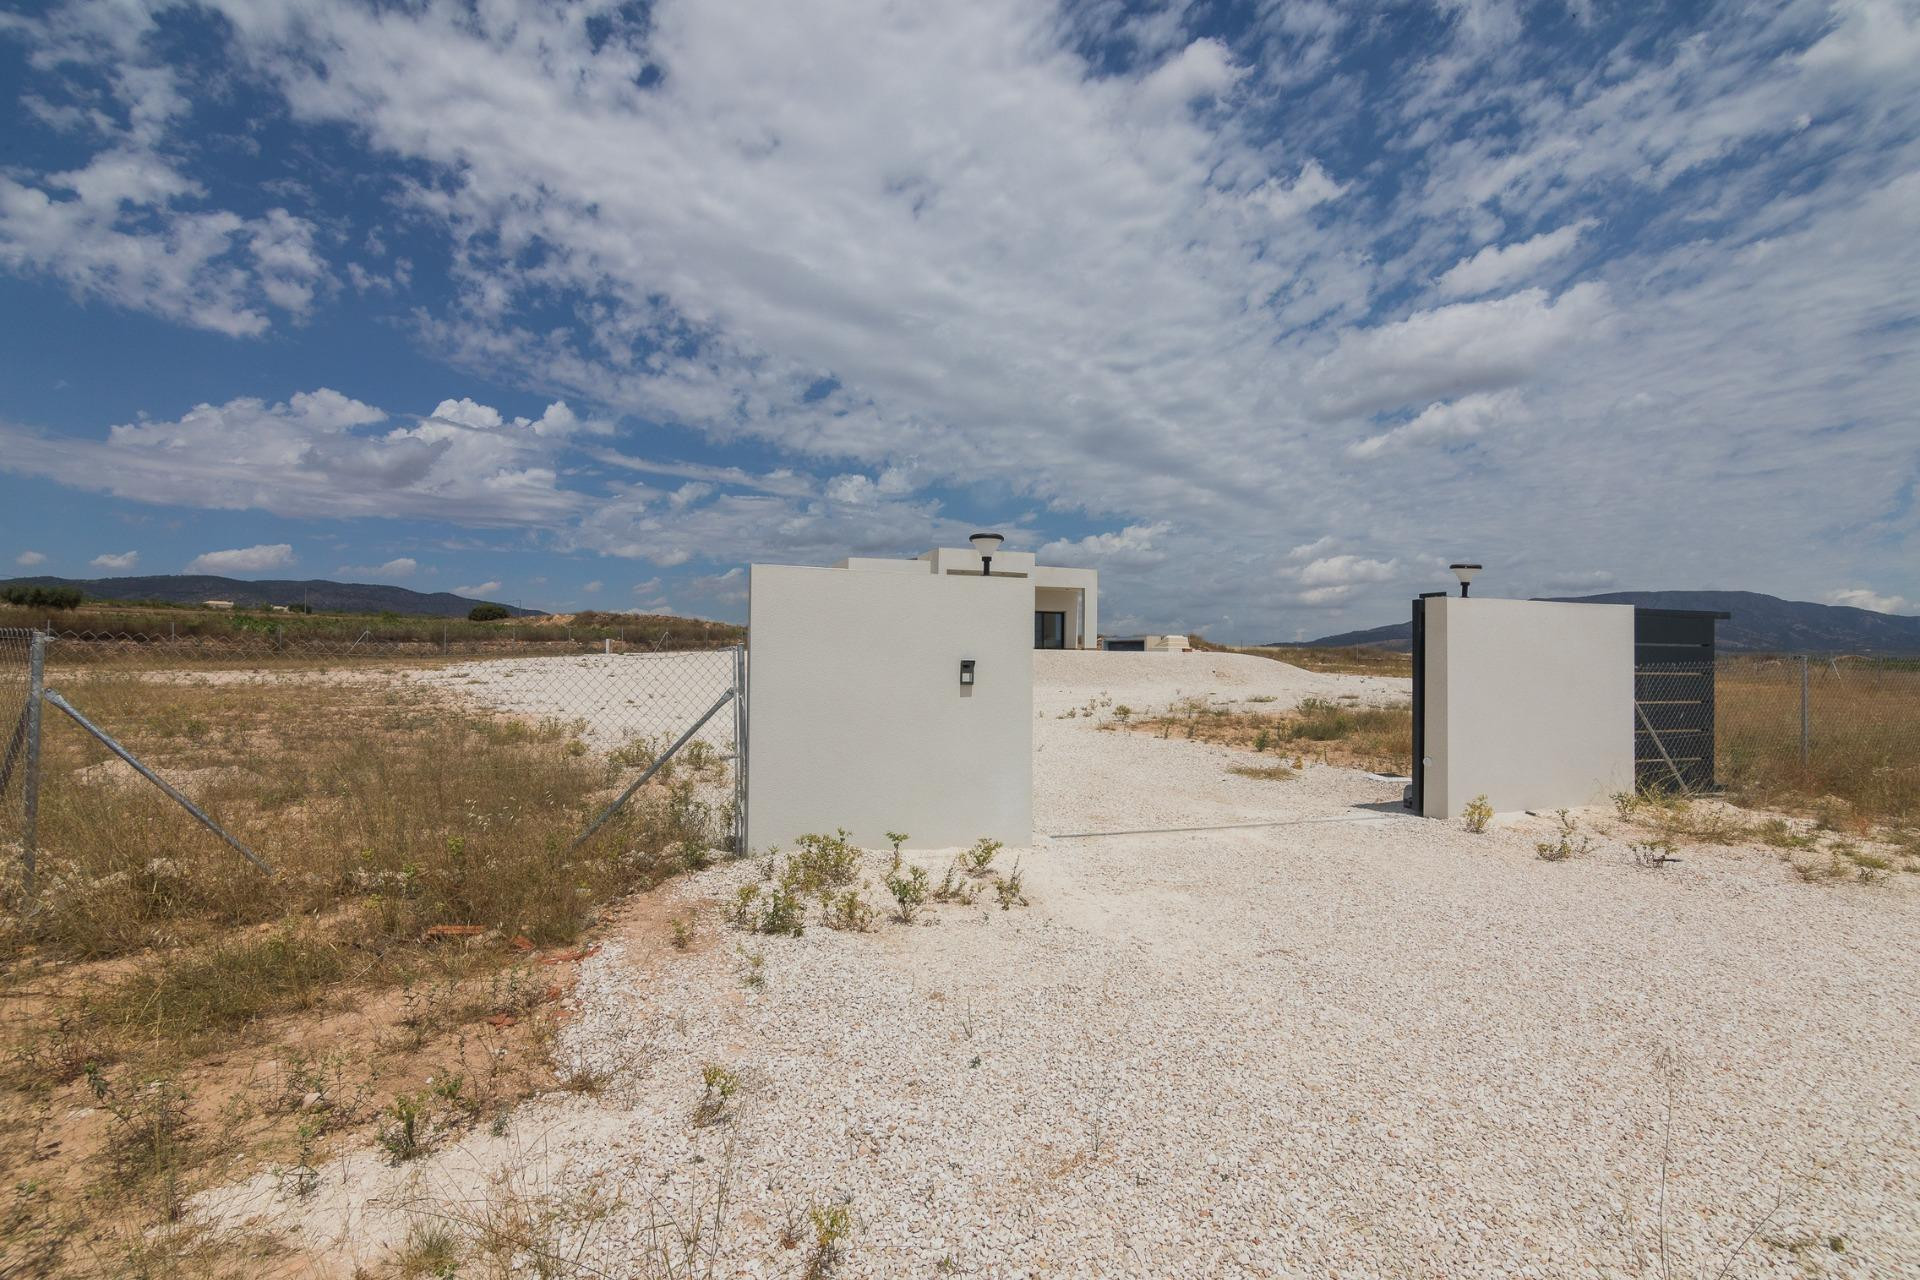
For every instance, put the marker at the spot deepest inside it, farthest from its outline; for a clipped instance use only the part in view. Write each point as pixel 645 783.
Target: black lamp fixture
pixel 986 544
pixel 1465 573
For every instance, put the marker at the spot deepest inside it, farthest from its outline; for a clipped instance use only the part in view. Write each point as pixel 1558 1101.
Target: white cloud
pixel 123 560
pixel 255 559
pixel 398 567
pixel 486 588
pixel 1439 422
pixel 28 559
pixel 313 455
pixel 1499 266
pixel 907 255
pixel 593 587
pixel 1134 547
pixel 1346 570
pixel 1863 598
pixel 1455 350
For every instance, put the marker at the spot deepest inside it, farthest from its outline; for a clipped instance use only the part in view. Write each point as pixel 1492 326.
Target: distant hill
pixel 1760 624
pixel 341 597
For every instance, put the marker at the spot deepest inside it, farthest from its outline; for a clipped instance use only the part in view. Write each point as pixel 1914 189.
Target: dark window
pixel 1049 630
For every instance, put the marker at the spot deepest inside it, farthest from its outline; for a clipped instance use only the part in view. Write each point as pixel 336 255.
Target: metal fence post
pixel 1806 750
pixel 30 793
pixel 740 750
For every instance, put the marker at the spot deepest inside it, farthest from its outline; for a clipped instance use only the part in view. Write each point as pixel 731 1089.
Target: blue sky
pixel 1266 311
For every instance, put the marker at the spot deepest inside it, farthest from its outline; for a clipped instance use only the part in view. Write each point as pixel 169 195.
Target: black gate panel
pixel 1673 709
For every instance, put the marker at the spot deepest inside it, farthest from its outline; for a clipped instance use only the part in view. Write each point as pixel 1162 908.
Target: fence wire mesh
pixel 1795 732
pixel 203 711
pixel 16 648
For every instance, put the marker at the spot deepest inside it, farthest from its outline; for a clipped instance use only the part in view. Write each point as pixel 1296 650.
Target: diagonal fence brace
pixel 652 769
pixel 1661 746
pixel 173 792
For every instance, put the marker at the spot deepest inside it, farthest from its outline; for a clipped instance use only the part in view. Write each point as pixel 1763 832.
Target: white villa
pixel 1066 602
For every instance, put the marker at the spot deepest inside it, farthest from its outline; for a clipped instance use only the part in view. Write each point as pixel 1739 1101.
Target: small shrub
pixel 753 968
pixel 849 912
pixel 1123 713
pixel 980 857
pixel 782 911
pixel 1270 772
pixel 831 1228
pixel 745 909
pixel 720 1084
pixel 1566 846
pixel 822 863
pixel 1477 814
pixel 1261 740
pixel 1652 854
pixel 683 931
pixel 406 1130
pixel 1779 833
pixel 1008 889
pixel 909 888
pixel 488 613
pixel 953 886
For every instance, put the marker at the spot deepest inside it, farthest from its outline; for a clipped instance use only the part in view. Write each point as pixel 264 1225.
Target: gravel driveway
pixel 1357 1045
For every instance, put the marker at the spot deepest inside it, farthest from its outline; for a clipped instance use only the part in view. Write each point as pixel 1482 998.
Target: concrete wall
pixel 1527 703
pixel 857 715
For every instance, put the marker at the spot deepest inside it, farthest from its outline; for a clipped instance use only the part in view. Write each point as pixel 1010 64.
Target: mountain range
pixel 321 594
pixel 1760 624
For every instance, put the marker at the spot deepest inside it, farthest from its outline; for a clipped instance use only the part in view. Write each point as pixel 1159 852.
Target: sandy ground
pixel 1357 1044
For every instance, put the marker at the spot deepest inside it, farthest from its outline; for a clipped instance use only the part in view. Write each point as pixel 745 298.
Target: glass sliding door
pixel 1049 629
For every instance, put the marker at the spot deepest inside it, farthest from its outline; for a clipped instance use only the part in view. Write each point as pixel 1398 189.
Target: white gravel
pixel 616 697
pixel 1363 1045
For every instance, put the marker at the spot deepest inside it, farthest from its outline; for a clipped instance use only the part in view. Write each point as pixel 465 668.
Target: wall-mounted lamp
pixel 986 544
pixel 1465 573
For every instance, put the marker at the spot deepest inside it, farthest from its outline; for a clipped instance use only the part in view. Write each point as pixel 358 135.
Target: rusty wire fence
pixel 151 704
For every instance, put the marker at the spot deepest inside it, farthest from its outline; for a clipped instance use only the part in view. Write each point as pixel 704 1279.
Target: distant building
pixel 1145 644
pixel 216 604
pixel 1066 602
pixel 280 608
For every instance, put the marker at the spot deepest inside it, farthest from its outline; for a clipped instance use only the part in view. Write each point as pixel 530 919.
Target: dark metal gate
pixel 1673 699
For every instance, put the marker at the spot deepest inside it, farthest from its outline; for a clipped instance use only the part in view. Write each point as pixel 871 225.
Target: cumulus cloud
pixel 1346 570
pixel 593 586
pixel 1499 266
pixel 122 560
pixel 1455 350
pixel 1441 422
pixel 1863 598
pixel 486 588
pixel 28 559
pixel 1184 282
pixel 255 559
pixel 314 454
pixel 1134 547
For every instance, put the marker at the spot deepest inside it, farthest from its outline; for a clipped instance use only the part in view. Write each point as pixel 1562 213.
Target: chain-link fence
pixel 16 725
pixel 198 705
pixel 1794 731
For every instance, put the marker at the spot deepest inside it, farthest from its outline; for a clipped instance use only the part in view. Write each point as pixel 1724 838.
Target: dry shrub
pixel 1379 738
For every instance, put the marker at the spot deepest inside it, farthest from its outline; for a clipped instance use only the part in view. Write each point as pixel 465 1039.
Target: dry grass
pixel 170 1011
pixel 1864 745
pixel 1376 738
pixel 1350 660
